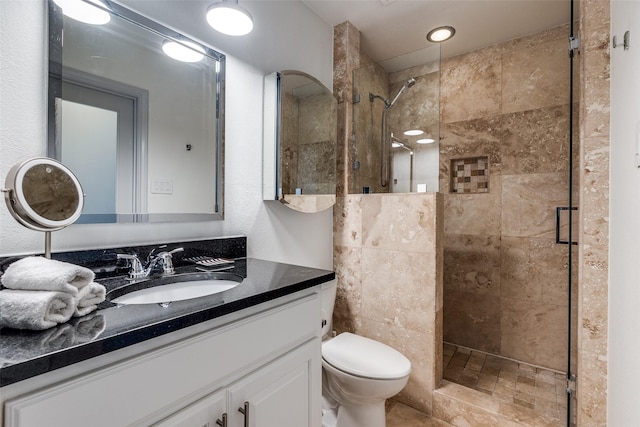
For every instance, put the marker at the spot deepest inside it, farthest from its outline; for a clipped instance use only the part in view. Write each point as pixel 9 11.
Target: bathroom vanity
pixel 246 356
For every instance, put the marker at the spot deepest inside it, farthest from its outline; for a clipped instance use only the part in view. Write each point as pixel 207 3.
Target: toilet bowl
pixel 358 375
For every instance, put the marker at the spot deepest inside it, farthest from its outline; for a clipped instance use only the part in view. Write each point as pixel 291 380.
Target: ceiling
pixel 392 28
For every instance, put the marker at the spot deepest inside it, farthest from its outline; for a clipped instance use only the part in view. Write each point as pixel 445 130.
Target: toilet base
pixel 354 416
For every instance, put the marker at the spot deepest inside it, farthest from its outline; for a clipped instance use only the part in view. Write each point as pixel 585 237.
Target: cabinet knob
pixel 245 411
pixel 223 422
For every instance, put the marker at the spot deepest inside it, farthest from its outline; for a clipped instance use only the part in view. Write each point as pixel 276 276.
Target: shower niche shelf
pixel 470 175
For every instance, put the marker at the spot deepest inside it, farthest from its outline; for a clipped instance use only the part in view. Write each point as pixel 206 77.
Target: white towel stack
pixel 42 293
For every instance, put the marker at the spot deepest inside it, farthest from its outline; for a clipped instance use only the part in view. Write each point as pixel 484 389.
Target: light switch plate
pixel 162 186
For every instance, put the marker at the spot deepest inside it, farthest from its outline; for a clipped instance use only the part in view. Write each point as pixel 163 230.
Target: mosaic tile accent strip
pixel 470 175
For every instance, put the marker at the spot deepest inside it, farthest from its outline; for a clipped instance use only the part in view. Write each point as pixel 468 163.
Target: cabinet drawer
pixel 171 377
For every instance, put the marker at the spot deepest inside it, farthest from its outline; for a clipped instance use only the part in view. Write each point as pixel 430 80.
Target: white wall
pixel 624 268
pixel 273 231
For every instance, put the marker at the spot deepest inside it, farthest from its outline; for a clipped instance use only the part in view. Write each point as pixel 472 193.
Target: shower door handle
pixel 559 210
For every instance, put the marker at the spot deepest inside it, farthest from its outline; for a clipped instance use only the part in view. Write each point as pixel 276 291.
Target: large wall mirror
pixel 142 131
pixel 300 136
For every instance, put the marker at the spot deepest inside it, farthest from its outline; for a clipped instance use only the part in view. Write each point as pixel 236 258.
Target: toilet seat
pixel 364 357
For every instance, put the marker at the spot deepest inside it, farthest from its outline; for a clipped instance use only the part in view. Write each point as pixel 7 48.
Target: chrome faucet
pixel 162 261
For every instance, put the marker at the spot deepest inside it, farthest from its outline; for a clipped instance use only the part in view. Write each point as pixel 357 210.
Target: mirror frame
pixel 56 77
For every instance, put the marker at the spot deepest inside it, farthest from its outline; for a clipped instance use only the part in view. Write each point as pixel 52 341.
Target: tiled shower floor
pixel 539 389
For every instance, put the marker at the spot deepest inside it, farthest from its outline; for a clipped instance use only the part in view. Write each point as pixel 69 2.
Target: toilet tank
pixel 327 301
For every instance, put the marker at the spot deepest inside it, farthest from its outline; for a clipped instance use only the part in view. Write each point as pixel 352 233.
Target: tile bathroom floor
pixel 400 415
pixel 514 382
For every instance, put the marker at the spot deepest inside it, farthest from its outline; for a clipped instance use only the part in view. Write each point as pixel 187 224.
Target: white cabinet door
pixel 203 413
pixel 284 393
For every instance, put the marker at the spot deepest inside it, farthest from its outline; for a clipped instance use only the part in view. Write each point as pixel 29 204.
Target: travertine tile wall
pixel 346 59
pixel 387 252
pixel 388 262
pixel 505 279
pixel 594 212
pixel 308 138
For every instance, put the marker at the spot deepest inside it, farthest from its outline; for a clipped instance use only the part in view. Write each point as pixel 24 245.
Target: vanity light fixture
pixel 229 18
pixel 85 11
pixel 184 51
pixel 413 132
pixel 440 34
pixel 426 141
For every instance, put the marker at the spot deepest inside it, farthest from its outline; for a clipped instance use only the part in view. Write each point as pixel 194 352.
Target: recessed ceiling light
pixel 85 12
pixel 184 51
pixel 413 132
pixel 229 18
pixel 440 34
pixel 426 141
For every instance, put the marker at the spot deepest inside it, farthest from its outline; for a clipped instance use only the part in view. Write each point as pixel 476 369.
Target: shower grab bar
pixel 559 209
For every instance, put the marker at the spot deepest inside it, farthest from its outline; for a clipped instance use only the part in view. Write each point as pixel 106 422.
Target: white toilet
pixel 358 374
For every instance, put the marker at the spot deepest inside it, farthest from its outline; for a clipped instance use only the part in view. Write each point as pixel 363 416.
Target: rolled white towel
pixel 88 299
pixel 35 310
pixel 42 274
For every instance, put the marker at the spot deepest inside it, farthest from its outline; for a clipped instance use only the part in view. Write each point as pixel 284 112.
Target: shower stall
pixel 496 134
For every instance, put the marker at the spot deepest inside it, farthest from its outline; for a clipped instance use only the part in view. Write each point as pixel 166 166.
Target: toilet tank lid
pixel 364 357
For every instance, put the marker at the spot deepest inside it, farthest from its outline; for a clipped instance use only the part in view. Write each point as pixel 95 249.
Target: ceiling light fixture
pixel 229 18
pixel 413 132
pixel 440 34
pixel 184 51
pixel 426 141
pixel 85 11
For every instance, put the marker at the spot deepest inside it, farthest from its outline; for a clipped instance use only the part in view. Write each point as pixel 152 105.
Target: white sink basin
pixel 176 288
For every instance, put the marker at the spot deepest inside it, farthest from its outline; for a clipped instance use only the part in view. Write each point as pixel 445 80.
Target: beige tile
pixel 535 76
pixel 461 406
pixel 472 320
pixel 472 263
pixel 400 415
pixel 534 269
pixel 529 202
pixel 398 288
pixel 348 305
pixel 536 141
pixel 470 85
pixel 475 214
pixel 521 324
pixel 402 222
pixel 347 221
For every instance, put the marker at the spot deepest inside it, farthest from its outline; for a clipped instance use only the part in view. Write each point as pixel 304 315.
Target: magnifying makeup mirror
pixel 44 195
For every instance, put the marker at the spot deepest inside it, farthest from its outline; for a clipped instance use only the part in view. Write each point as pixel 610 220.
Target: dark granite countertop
pixel 25 354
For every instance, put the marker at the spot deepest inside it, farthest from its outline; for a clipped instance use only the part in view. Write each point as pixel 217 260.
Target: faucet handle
pixel 137 270
pixel 166 259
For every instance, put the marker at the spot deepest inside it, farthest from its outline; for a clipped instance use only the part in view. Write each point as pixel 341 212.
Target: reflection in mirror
pixel 142 130
pixel 300 142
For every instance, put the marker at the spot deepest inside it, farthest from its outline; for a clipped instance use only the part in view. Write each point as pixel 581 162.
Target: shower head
pixel 407 84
